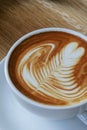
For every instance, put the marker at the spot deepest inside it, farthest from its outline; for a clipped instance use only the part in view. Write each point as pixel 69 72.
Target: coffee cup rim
pixel 12 86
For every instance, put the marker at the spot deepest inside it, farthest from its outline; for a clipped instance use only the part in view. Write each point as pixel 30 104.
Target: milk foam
pixel 53 76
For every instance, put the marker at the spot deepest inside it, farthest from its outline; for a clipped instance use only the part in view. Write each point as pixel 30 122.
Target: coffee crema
pixel 51 68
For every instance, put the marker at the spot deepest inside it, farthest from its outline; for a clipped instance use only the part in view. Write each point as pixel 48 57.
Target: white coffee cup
pixel 51 112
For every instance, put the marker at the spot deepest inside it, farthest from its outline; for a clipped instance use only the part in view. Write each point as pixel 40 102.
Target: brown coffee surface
pixel 51 68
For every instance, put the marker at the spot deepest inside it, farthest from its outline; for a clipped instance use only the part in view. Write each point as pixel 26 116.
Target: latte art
pixel 51 73
pixel 54 77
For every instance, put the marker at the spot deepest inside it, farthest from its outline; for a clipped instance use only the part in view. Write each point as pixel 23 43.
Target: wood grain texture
pixel 18 17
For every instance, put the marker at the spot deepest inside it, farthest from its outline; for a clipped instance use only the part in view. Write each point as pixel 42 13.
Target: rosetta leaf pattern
pixel 57 75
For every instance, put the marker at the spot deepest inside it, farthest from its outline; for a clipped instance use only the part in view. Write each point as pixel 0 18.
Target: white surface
pixel 14 117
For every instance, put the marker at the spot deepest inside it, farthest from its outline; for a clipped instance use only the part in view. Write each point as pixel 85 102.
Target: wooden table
pixel 18 17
